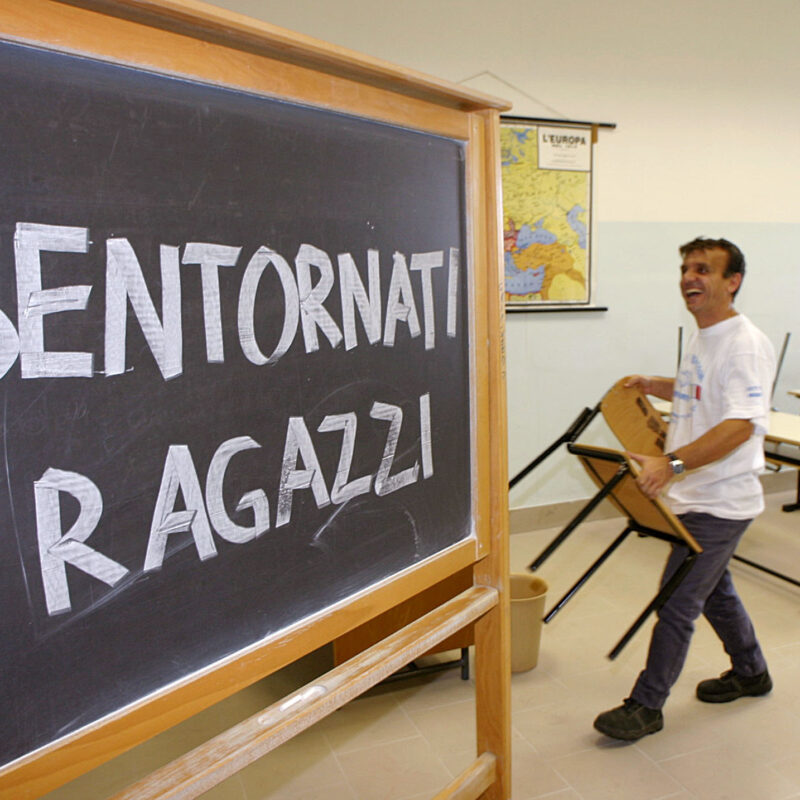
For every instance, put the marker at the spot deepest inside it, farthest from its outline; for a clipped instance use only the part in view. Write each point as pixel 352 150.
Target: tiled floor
pixel 406 740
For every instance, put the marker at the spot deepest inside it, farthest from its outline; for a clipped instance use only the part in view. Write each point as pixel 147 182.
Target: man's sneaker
pixel 629 721
pixel 730 686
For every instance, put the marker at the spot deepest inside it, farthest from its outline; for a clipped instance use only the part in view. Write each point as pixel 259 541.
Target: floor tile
pixel 366 721
pixel 789 768
pixel 531 775
pixel 394 771
pixel 299 768
pixel 433 691
pixel 615 773
pixel 536 688
pixel 449 729
pixel 713 774
pixel 557 730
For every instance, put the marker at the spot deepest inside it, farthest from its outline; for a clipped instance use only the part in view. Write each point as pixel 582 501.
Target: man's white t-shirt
pixel 726 372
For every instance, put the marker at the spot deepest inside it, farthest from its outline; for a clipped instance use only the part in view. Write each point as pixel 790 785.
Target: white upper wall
pixel 706 97
pixel 688 82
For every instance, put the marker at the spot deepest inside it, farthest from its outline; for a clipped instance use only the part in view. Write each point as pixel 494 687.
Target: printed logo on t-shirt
pixel 688 390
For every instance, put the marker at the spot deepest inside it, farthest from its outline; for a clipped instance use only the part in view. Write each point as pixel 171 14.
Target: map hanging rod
pixel 560 118
pixel 559 121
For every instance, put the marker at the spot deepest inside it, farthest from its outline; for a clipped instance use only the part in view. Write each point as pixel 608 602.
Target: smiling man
pixel 709 477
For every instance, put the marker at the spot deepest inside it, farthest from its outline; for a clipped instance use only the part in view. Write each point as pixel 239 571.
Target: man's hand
pixel 641 382
pixel 655 474
pixel 651 384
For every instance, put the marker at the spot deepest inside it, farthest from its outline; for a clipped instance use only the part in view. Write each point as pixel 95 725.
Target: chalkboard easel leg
pixel 465 663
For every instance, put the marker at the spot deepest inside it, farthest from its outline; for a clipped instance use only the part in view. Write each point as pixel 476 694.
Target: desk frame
pixel 792 462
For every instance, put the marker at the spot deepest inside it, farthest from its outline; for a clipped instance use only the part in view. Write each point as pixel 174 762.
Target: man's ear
pixel 735 283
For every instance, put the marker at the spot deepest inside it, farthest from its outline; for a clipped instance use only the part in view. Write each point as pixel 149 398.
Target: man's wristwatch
pixel 675 464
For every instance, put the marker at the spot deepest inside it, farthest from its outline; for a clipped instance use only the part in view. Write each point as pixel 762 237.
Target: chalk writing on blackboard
pixel 303 300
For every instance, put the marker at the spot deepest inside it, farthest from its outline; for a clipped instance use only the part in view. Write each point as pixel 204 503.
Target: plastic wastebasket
pixel 528 594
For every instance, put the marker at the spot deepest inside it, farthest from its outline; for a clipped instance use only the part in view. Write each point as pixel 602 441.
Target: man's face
pixel 708 294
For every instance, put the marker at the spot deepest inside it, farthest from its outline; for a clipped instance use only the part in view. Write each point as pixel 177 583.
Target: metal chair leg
pixel 656 603
pixel 580 517
pixel 588 574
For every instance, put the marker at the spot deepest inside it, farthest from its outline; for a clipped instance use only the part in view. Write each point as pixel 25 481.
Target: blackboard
pixel 173 335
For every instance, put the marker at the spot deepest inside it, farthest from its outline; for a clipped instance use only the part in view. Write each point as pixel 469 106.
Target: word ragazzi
pixel 303 306
pixel 205 509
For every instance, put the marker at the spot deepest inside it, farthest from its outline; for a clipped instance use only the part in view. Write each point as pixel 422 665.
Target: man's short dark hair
pixel 735 256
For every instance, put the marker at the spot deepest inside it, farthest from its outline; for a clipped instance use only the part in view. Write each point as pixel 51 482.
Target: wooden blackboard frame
pixel 183 38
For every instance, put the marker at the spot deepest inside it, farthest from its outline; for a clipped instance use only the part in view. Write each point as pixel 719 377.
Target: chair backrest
pixel 633 420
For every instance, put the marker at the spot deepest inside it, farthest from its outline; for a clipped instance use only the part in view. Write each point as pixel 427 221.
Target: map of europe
pixel 546 225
